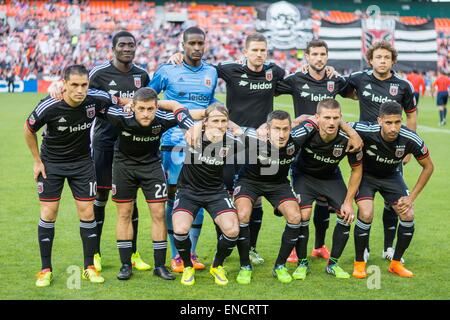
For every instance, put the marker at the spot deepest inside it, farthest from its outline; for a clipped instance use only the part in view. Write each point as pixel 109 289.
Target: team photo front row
pixel 290 162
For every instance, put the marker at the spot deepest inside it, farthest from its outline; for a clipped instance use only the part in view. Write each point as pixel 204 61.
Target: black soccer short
pixel 391 188
pixel 276 194
pixel 80 176
pixel 215 203
pixel 127 179
pixel 103 160
pixel 311 189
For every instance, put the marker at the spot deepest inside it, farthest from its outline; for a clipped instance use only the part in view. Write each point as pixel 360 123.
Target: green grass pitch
pixel 427 257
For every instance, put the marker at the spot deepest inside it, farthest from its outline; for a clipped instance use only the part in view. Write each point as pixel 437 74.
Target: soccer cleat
pixel 389 255
pixel 366 255
pixel 245 275
pixel 163 273
pixel 337 271
pixel 293 256
pixel 197 264
pixel 301 272
pixel 92 275
pixel 44 278
pixel 138 263
pixel 98 262
pixel 125 272
pixel 321 252
pixel 188 277
pixel 176 264
pixel 359 270
pixel 255 258
pixel 398 268
pixel 281 273
pixel 219 274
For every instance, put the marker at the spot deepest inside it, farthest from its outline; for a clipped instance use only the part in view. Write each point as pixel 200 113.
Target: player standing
pixel 441 85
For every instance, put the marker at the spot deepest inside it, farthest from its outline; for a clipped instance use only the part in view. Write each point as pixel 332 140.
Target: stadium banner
pixel 20 86
pixel 376 29
pixel 285 25
pixel 417 46
pixel 344 43
pixel 43 86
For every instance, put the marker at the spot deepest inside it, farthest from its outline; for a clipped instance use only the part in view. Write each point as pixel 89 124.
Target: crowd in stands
pixel 39 38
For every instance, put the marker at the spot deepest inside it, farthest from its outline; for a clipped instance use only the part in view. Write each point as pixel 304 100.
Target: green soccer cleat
pixel 245 275
pixel 188 277
pixel 220 275
pixel 44 278
pixel 281 273
pixel 301 272
pixel 337 271
pixel 92 275
pixel 138 263
pixel 98 262
pixel 255 257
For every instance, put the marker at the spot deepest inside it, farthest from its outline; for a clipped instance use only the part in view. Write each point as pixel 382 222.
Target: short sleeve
pixel 302 132
pixel 40 115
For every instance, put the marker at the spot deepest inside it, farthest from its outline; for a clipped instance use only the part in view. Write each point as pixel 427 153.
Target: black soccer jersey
pixel 202 170
pixel 373 92
pixel 272 163
pixel 139 145
pixel 307 92
pixel 249 94
pixel 118 84
pixel 67 135
pixel 382 158
pixel 318 158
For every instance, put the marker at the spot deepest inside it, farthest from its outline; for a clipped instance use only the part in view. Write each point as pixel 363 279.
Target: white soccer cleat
pixel 389 254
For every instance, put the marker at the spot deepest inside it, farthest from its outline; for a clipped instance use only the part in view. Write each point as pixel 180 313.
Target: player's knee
pixel 294 218
pixel 407 216
pixel 159 214
pixel 124 216
pixel 244 216
pixel 48 213
pixel 181 228
pixel 231 231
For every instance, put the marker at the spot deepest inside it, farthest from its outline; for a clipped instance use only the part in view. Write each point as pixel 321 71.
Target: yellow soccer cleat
pixel 188 277
pixel 92 275
pixel 220 275
pixel 98 262
pixel 44 278
pixel 138 263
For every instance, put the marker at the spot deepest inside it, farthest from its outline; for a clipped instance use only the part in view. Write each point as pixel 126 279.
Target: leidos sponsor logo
pixel 388 161
pixel 79 127
pixel 325 159
pixel 269 161
pixel 210 160
pixel 199 97
pixel 315 97
pixel 122 94
pixel 375 98
pixel 256 86
pixel 144 139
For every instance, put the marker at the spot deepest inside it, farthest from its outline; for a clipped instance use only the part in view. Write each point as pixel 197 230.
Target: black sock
pixel 125 251
pixel 321 222
pixel 361 234
pixel 404 236
pixel 340 238
pixel 243 244
pixel 46 234
pixel 255 225
pixel 288 241
pixel 218 231
pixel 99 213
pixel 135 223
pixel 441 115
pixel 225 247
pixel 88 233
pixel 159 252
pixel 183 244
pixel 302 242
pixel 390 222
pixel 445 113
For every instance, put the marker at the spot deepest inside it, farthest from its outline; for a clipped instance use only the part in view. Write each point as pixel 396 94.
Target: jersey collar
pixel 194 69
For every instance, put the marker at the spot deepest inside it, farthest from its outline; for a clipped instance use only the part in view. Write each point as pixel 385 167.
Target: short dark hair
pixel 75 69
pixel 390 108
pixel 329 104
pixel 193 30
pixel 382 45
pixel 255 37
pixel 121 34
pixel 316 43
pixel 278 115
pixel 145 94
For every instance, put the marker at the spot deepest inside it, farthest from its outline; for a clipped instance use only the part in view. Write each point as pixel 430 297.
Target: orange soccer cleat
pixel 359 270
pixel 197 264
pixel 321 252
pixel 293 256
pixel 398 268
pixel 176 264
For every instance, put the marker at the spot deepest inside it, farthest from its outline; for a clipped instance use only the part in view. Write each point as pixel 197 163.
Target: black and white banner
pixel 285 25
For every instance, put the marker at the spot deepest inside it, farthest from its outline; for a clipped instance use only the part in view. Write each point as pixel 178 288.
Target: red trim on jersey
pixel 182 210
pixel 412 110
pixel 363 198
pixel 179 110
pixel 313 123
pixel 287 199
pixel 306 207
pixel 356 164
pixel 49 199
pixel 155 201
pixel 245 196
pixel 424 156
pixel 225 211
pixel 85 199
pixel 122 201
pixel 100 187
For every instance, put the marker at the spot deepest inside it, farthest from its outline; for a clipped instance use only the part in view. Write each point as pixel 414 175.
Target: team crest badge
pixel 299 198
pixel 400 151
pixel 290 150
pixel 175 204
pixel 359 156
pixel 90 112
pixel 337 151
pixel 223 152
pixel 181 116
pixel 424 150
pixel 113 189
pixel 40 187
pixel 156 130
pixel 236 191
pixel 330 86
pixel 114 99
pixel 393 90
pixel 208 82
pixel 31 120
pixel 137 81
pixel 269 75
